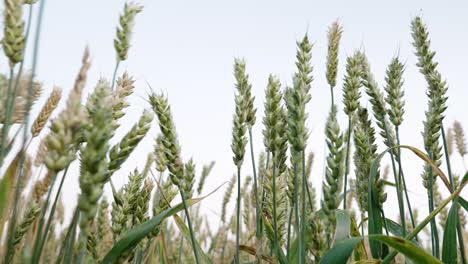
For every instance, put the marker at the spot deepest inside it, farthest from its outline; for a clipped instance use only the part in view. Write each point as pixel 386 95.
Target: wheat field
pixel 283 211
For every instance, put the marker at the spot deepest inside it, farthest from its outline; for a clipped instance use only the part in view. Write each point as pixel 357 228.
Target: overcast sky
pixel 186 49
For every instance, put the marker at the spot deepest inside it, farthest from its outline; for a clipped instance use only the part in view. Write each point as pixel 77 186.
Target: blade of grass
pixel 343 226
pixel 449 243
pixel 463 203
pixel 348 145
pixel 343 250
pixel 131 238
pixel 449 170
pixel 238 204
pixel 186 234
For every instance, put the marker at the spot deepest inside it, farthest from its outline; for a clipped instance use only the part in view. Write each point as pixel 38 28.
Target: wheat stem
pixel 51 213
pixel 434 233
pixel 192 236
pixel 402 178
pixel 238 204
pixel 257 206
pixel 114 75
pixel 302 256
pixel 348 146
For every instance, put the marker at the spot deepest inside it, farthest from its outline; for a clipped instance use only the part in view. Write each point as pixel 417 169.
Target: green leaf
pixel 463 203
pixel 341 251
pixel 410 250
pixel 186 233
pixel 343 226
pixel 375 221
pixel 132 237
pixel 449 244
pixel 397 230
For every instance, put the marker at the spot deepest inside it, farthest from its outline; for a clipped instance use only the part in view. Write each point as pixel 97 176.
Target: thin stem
pixel 51 214
pixel 434 233
pixel 114 75
pixel 36 253
pixel 179 258
pixel 289 233
pixel 296 208
pixel 66 242
pixel 309 197
pixel 303 221
pixel 348 145
pixel 238 213
pixel 332 97
pixel 401 205
pixel 257 206
pixel 402 178
pixel 275 224
pixel 192 237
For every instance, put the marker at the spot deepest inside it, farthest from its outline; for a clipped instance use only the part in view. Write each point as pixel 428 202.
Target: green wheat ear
pixel 189 178
pixel 437 95
pixel 460 141
pixel 93 156
pixel 124 31
pixel 175 166
pixel 366 153
pixel 14 39
pixel 395 93
pixel 334 36
pixel 335 167
pixel 352 83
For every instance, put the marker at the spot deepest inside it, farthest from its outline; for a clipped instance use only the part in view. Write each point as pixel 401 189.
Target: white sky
pixel 186 49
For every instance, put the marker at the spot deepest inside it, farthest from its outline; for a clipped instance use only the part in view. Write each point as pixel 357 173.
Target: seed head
pixel 395 93
pixel 46 111
pixel 352 83
pixel 244 88
pixel 94 163
pixel 13 32
pixel 334 37
pixel 460 140
pixel 162 109
pixel 124 31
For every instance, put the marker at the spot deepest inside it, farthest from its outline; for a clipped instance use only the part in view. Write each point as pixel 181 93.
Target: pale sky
pixel 186 49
